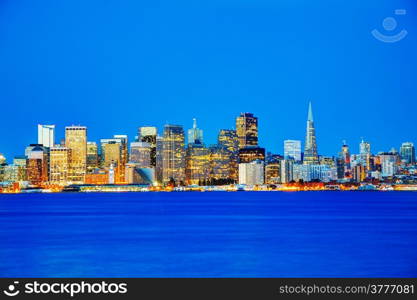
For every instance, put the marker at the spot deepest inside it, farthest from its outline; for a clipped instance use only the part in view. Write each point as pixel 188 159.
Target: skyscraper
pixel 173 160
pixel 148 135
pixel 247 130
pixel 197 168
pixel 140 154
pixel 46 135
pixel 292 150
pixel 92 157
pixel 407 153
pixel 76 142
pixel 59 162
pixel 228 139
pixel 310 147
pixel 252 173
pixel 195 135
pixel 364 152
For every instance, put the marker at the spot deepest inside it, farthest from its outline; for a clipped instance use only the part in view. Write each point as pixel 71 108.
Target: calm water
pixel 243 234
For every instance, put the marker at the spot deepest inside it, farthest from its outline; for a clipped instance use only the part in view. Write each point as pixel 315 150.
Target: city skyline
pixel 63 64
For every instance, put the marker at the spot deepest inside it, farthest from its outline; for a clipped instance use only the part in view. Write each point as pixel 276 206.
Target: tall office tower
pixel 252 173
pixel 250 154
pixel 46 135
pixel 310 147
pixel 364 152
pixel 197 168
pixel 37 165
pixel 140 154
pixel 273 172
pixel 111 152
pixel 388 162
pixel 121 170
pixel 59 162
pixel 76 141
pixel 286 170
pixel 20 163
pixel 159 159
pixel 92 157
pixel 408 153
pixel 345 155
pixel 148 135
pixel 195 135
pixel 292 150
pixel 228 138
pixel 173 160
pixel 222 165
pixel 247 130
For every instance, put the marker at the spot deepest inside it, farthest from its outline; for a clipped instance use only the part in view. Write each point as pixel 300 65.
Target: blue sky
pixel 117 65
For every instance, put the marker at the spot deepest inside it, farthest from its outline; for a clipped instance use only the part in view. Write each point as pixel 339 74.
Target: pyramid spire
pixel 310 112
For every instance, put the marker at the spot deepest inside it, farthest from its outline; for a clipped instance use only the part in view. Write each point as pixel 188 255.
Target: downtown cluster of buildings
pixel 167 160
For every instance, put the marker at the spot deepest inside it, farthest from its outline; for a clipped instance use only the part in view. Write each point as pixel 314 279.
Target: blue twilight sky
pixel 117 65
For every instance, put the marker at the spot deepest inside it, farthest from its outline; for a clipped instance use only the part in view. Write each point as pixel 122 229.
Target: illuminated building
pixel 228 138
pixel 359 173
pixel 123 159
pixel 364 152
pixel 138 175
pixel 195 135
pixel 388 163
pixel 76 142
pixel 197 168
pixel 249 154
pixel 148 135
pixel 97 177
pixel 159 159
pixel 310 147
pixel 247 130
pixel 306 173
pixel 273 173
pixel 222 165
pixel 286 166
pixel 140 154
pixel 292 150
pixel 407 153
pixel 46 135
pixel 111 152
pixel 37 166
pixel 20 163
pixel 92 157
pixel 59 163
pixel 10 173
pixel 251 173
pixel 173 156
pixel 329 161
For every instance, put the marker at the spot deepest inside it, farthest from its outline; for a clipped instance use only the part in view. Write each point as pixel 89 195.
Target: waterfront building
pixel 140 154
pixel 250 154
pixel 148 134
pixel 286 166
pixel 59 165
pixel 247 130
pixel 76 142
pixel 228 139
pixel 195 135
pixel 20 163
pixel 359 173
pixel 292 150
pixel 251 173
pixel 97 177
pixel 46 135
pixel 37 166
pixel 197 168
pixel 310 147
pixel 111 152
pixel 222 165
pixel 137 175
pixel 407 153
pixel 273 173
pixel 93 161
pixel 159 159
pixel 307 173
pixel 364 153
pixel 173 159
pixel 388 162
